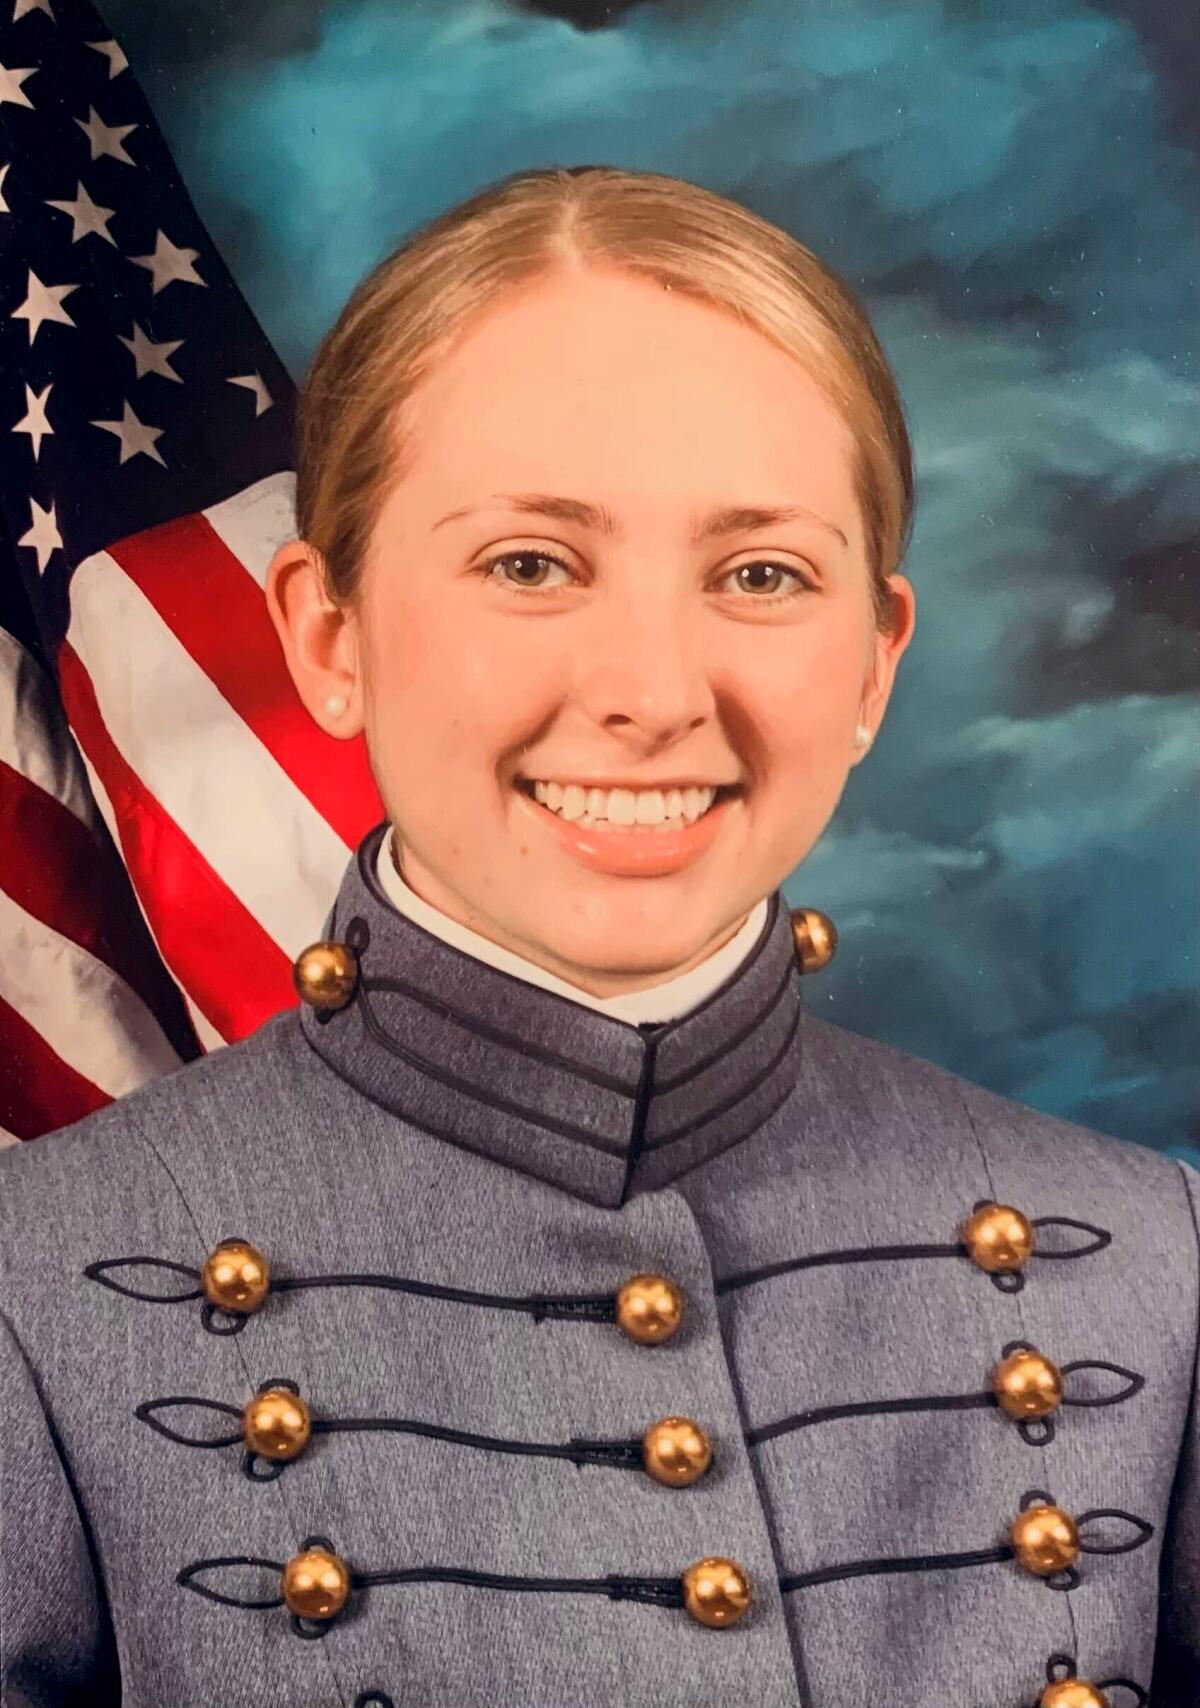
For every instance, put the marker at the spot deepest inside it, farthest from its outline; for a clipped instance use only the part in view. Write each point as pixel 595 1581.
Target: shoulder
pixel 900 1097
pixel 120 1148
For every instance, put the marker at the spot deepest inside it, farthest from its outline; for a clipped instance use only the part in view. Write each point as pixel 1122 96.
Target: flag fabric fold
pixel 173 825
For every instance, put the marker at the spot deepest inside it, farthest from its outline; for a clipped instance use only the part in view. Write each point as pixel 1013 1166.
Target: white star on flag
pixel 170 263
pixel 34 421
pixel 254 383
pixel 87 217
pixel 112 51
pixel 152 358
pixel 43 303
pixel 134 435
pixel 142 593
pixel 43 536
pixel 10 85
pixel 105 139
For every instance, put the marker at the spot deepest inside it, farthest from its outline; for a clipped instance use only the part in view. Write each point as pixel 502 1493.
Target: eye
pixel 750 578
pixel 529 569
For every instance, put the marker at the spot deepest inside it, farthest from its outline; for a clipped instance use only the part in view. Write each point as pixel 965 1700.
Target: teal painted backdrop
pixel 1012 188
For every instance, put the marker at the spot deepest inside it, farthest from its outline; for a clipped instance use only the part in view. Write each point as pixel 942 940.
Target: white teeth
pixel 574 801
pixel 651 807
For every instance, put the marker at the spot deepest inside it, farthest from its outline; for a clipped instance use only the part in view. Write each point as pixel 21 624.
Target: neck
pixel 494 1063
pixel 665 999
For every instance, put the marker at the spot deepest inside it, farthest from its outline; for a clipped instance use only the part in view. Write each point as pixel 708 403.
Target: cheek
pixel 803 695
pixel 469 697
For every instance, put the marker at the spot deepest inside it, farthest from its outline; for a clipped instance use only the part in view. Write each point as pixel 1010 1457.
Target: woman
pixel 608 1329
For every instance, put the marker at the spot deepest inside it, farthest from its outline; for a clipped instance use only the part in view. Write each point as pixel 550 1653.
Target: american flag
pixel 173 826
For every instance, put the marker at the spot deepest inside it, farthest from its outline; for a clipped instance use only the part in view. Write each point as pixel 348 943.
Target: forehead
pixel 616 389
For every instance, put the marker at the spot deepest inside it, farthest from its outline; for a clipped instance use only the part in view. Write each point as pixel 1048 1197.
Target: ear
pixel 320 639
pixel 887 648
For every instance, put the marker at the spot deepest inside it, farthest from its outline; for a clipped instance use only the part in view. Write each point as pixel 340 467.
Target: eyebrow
pixel 727 519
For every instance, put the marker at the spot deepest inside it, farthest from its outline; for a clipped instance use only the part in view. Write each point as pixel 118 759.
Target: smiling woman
pixel 614 502
pixel 604 487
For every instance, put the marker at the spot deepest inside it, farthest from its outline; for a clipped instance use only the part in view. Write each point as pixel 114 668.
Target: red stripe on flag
pixel 219 953
pixel 57 871
pixel 218 613
pixel 38 1091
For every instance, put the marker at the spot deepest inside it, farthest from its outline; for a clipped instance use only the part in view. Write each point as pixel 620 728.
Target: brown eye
pixel 768 580
pixel 529 568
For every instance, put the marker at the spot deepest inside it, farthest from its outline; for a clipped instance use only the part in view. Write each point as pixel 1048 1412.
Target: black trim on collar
pixel 592 1104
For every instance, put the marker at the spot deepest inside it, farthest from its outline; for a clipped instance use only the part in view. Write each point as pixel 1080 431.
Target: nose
pixel 642 674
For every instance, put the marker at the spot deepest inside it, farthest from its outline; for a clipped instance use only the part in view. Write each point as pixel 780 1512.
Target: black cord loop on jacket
pixel 1009 1281
pixel 590 1307
pixel 623 1453
pixel 660 1591
pixel 1061 1667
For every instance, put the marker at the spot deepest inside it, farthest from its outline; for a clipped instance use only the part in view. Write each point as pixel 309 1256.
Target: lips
pixel 633 850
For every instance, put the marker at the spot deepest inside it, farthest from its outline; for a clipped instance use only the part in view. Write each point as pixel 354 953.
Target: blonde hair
pixel 353 424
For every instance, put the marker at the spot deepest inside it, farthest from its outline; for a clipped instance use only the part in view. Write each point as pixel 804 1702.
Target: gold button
pixel 1027 1385
pixel 814 939
pixel 998 1238
pixel 325 975
pixel 676 1451
pixel 1046 1539
pixel 276 1424
pixel 1072 1693
pixel 649 1308
pixel 716 1591
pixel 316 1583
pixel 235 1277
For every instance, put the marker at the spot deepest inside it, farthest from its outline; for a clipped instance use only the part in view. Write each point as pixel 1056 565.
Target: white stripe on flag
pixel 201 762
pixel 86 1014
pixel 255 522
pixel 34 737
pixel 207 1033
pixel 7 1138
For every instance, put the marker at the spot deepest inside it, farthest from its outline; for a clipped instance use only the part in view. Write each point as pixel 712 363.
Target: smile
pixel 621 809
pixel 631 849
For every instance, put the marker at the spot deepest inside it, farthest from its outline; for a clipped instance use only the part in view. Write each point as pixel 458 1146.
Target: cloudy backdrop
pixel 1012 188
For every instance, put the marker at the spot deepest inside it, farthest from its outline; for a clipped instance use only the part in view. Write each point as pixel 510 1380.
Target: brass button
pixel 1072 1693
pixel 325 975
pixel 814 939
pixel 1027 1385
pixel 676 1451
pixel 276 1424
pixel 316 1583
pixel 998 1238
pixel 1046 1539
pixel 716 1591
pixel 235 1277
pixel 649 1308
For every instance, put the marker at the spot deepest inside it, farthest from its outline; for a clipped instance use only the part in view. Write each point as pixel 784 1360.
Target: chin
pixel 611 947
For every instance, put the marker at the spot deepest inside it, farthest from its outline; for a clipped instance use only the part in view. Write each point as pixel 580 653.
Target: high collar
pixel 596 1106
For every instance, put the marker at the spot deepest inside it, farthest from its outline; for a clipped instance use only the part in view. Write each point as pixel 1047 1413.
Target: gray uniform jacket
pixel 452 1178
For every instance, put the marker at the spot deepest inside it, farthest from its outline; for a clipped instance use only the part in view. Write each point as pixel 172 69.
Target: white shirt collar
pixel 661 1002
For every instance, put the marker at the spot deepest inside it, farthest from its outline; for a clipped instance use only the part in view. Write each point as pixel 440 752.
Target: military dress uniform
pixel 450 1344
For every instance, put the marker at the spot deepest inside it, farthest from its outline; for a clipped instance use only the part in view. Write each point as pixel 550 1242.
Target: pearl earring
pixel 862 736
pixel 335 705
